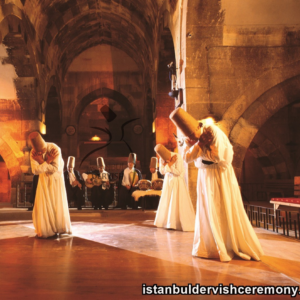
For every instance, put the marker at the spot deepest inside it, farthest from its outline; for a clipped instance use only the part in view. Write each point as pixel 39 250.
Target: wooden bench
pixel 282 188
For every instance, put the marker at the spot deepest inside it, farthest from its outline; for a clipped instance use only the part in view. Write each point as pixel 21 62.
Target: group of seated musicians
pixel 100 181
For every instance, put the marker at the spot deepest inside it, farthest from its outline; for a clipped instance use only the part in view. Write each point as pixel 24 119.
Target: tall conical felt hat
pixel 37 142
pixel 153 162
pixel 163 152
pixel 100 162
pixel 132 158
pixel 71 162
pixel 184 121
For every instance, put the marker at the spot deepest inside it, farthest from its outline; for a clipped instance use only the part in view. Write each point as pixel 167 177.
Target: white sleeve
pixel 162 168
pixel 85 176
pixel 221 151
pixel 55 166
pixel 177 167
pixel 191 154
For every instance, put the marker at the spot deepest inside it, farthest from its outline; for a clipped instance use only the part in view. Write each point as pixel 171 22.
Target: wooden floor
pixel 112 253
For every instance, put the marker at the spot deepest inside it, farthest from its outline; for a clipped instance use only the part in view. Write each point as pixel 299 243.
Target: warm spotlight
pixel 209 121
pixel 95 138
pixel 43 128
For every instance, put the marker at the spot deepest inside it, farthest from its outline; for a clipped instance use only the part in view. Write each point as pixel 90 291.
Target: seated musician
pixel 153 173
pixel 73 183
pixel 128 183
pixel 100 196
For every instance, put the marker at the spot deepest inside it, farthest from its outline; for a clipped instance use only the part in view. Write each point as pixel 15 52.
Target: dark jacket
pixel 149 175
pixel 77 175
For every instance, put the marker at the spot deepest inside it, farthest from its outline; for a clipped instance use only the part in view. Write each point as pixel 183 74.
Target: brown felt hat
pixel 163 152
pixel 100 162
pixel 132 158
pixel 71 162
pixel 184 121
pixel 37 142
pixel 153 162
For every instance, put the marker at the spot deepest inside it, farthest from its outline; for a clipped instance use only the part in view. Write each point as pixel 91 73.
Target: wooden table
pixel 294 202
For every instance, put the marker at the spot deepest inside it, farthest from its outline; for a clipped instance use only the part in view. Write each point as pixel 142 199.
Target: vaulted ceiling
pixel 67 28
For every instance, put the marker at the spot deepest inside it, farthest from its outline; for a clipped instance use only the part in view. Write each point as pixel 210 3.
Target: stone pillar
pixel 204 30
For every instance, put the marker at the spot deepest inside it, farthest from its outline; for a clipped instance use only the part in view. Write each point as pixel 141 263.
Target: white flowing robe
pixel 222 226
pixel 175 208
pixel 50 213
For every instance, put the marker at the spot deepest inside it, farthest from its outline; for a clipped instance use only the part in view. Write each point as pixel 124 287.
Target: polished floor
pixel 112 253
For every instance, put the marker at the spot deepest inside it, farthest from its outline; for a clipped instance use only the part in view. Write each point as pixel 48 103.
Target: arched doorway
pixel 266 140
pixel 100 126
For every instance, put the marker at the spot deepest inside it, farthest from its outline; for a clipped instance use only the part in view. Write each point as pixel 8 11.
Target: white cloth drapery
pixel 222 226
pixel 175 210
pixel 50 213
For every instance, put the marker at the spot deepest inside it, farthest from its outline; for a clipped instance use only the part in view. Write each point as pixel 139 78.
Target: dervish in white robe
pixel 222 226
pixel 175 210
pixel 50 213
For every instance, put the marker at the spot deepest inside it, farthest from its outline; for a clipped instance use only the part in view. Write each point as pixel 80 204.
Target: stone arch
pixel 9 9
pixel 259 87
pixel 257 113
pixel 92 94
pixel 28 31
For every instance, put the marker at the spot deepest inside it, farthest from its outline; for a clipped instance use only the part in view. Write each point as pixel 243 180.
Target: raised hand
pixel 189 142
pixel 164 163
pixel 37 156
pixel 206 138
pixel 173 160
pixel 51 155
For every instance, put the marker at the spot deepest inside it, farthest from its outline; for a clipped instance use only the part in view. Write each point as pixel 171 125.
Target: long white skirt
pixel 51 213
pixel 222 226
pixel 175 210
